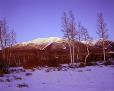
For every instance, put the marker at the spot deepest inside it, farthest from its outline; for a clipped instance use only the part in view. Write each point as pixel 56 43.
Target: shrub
pixel 53 63
pixel 28 74
pixel 3 67
pixel 109 62
pixel 22 85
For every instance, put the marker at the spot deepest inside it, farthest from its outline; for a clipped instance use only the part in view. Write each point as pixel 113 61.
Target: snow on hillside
pixel 43 43
pixel 48 41
pixel 97 78
pixel 93 42
pixel 44 40
pixel 40 43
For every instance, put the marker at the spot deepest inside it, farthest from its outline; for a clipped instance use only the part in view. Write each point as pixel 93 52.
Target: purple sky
pixel 42 18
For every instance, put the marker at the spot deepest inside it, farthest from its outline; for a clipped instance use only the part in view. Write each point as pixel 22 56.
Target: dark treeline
pixel 53 57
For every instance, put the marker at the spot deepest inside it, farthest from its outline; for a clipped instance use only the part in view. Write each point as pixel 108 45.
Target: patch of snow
pixel 44 40
pixel 93 42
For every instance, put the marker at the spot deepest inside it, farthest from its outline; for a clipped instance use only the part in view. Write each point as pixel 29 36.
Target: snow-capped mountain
pixel 44 40
pixel 41 43
pixel 54 42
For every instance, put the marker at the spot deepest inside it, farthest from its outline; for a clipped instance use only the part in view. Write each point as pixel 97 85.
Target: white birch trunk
pixel 78 53
pixel 73 54
pixel 104 54
pixel 70 47
pixel 86 56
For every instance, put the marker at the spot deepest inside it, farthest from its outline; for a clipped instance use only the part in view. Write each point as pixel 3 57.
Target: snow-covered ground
pixel 93 78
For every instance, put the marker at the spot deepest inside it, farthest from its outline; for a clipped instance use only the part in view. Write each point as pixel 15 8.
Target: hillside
pixel 53 51
pixel 40 43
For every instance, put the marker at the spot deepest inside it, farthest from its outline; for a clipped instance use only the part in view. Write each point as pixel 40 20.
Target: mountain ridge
pixel 41 43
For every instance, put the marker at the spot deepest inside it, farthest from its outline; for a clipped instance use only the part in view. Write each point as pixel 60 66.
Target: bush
pixel 81 64
pixel 28 74
pixel 109 62
pixel 22 85
pixel 3 67
pixel 53 63
pixel 91 63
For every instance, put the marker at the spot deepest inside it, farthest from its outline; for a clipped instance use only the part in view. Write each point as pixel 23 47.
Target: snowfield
pixel 91 78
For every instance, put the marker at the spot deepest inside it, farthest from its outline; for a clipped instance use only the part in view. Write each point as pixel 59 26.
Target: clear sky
pixel 42 18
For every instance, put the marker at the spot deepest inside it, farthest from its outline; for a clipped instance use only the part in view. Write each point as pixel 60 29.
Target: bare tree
pixel 87 40
pixel 3 44
pixel 79 39
pixel 11 42
pixel 73 33
pixel 3 37
pixel 102 32
pixel 65 30
pixel 69 30
pixel 7 39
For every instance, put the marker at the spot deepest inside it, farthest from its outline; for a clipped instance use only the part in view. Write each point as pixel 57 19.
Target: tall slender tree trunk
pixel 104 54
pixel 70 47
pixel 86 56
pixel 77 57
pixel 78 53
pixel 73 54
